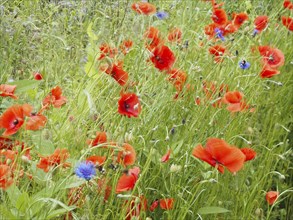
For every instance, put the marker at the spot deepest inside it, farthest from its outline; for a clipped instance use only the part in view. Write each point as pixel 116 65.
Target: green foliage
pixel 211 210
pixel 61 40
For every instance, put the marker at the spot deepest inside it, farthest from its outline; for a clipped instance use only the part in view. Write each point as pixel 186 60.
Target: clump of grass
pixel 61 40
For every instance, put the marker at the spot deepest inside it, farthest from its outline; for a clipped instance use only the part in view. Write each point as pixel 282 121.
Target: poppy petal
pixel 249 153
pixel 167 204
pixel 230 157
pixel 125 183
pixel 201 153
pixel 166 157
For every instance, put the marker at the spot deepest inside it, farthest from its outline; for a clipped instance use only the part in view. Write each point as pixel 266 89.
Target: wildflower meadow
pixel 159 109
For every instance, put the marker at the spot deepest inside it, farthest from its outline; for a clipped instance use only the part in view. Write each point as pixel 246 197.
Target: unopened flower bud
pixel 258 212
pixel 250 130
pixel 25 159
pixel 128 137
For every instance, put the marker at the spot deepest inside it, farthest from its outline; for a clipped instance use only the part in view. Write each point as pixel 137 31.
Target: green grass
pixel 61 40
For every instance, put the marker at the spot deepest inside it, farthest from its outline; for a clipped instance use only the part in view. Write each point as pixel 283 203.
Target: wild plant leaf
pixel 90 32
pixel 5 213
pixel 13 194
pixel 211 210
pixel 25 85
pixel 90 102
pixel 73 182
pixel 59 212
pixel 22 202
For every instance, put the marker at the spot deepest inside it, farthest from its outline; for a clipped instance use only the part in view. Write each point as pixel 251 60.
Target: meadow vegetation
pixel 54 53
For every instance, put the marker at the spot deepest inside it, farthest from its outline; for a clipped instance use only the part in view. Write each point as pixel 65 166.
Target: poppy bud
pixel 25 159
pixel 128 137
pixel 38 76
pixel 250 130
pixel 282 177
pixel 271 197
pixel 258 212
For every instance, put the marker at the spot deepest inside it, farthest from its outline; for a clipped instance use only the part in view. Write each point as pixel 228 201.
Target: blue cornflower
pixel 219 34
pixel 162 15
pixel 85 170
pixel 255 32
pixel 244 64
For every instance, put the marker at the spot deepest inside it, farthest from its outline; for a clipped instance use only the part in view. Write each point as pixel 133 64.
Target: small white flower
pixel 175 168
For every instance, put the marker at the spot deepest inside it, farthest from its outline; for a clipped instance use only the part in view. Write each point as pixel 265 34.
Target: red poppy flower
pixel 219 16
pixel 238 107
pixel 143 8
pixel 271 57
pixel 127 181
pixel 229 28
pixel 218 52
pixel 167 204
pixel 6 176
pixel 129 105
pixel 7 91
pixel 12 119
pixel 55 98
pixel 166 157
pixel 107 51
pixel 271 197
pixel 268 73
pixel 117 72
pixel 210 29
pixel 261 22
pixel 178 78
pixel 57 158
pixel 38 76
pixel 126 155
pixel 288 22
pixel 163 58
pixel 152 35
pixel 239 19
pixel 97 160
pixel 35 121
pixel 235 102
pixel 233 97
pixel 101 137
pixel 249 153
pixel 219 154
pixel 288 4
pixel 175 35
pixel 154 205
pixel 126 46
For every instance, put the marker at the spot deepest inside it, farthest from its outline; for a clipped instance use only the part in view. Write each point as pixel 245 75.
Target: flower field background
pixel 122 109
